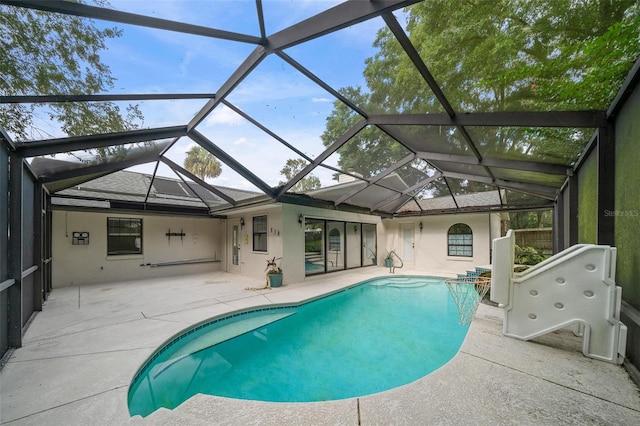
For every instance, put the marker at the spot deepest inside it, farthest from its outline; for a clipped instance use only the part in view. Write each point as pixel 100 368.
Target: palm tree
pixel 202 163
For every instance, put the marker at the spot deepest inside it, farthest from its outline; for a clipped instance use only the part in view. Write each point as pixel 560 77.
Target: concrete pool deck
pixel 80 353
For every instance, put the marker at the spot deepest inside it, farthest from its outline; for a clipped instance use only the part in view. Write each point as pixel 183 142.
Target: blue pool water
pixel 368 338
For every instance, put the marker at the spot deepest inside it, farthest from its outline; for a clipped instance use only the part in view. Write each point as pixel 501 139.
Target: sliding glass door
pixel 336 251
pixel 353 234
pixel 314 252
pixel 369 244
pixel 337 245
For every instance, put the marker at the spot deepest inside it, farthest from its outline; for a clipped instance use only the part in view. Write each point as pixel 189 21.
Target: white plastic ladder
pixel 575 286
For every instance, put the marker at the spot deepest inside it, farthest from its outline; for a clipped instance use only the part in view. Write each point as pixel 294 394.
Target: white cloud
pixel 241 141
pixel 320 100
pixel 225 116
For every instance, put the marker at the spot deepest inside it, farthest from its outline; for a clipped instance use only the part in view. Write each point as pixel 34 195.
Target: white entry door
pixel 408 244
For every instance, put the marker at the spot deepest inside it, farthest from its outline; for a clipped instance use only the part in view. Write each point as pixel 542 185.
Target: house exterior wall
pixel 430 252
pixel 285 238
pixel 85 264
pixel 253 263
pixel 207 238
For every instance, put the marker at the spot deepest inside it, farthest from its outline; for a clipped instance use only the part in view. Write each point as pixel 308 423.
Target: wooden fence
pixel 539 238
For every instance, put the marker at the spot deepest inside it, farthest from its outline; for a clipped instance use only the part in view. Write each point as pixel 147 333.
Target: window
pixel 124 236
pixel 334 240
pixel 260 233
pixel 460 240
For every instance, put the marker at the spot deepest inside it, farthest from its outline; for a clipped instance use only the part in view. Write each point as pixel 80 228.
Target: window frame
pixel 464 245
pixel 116 232
pixel 335 239
pixel 260 237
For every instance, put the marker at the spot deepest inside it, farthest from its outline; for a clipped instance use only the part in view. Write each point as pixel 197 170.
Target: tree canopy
pixel 291 168
pixel 202 163
pixel 487 55
pixel 55 54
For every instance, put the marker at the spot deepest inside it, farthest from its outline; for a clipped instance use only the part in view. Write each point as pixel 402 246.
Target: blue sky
pixel 145 60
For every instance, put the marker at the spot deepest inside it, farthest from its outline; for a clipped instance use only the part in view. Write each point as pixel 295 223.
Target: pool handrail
pixel 393 267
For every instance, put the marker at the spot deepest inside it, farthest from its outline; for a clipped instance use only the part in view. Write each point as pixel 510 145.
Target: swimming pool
pixel 368 338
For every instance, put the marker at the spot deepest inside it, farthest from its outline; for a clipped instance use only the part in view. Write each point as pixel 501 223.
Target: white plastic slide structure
pixel 574 287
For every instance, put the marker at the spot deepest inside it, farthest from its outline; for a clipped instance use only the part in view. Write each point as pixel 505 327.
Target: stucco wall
pixel 85 264
pixel 285 238
pixel 430 252
pixel 253 263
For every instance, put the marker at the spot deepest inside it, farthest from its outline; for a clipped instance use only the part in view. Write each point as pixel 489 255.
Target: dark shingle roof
pixel 130 186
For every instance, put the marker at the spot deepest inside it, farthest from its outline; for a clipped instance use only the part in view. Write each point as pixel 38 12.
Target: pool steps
pixel 219 335
pixel 471 276
pixel 574 288
pixel 228 331
pixel 406 282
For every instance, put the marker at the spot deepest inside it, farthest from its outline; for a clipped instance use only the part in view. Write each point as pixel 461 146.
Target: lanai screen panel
pixel 525 53
pixel 468 193
pixel 279 113
pixel 72 168
pixel 4 246
pixel 349 50
pixel 546 179
pixel 27 245
pixel 545 145
pixel 430 139
pixel 393 205
pixel 368 153
pixel 374 195
pixel 137 115
pixel 416 172
pixel 298 88
pixel 117 186
pixel 514 199
pixel 466 169
pixel 241 18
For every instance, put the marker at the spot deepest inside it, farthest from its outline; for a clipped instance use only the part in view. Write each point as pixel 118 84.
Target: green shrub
pixel 527 256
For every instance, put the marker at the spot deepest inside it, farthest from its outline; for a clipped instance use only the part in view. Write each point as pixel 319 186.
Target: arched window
pixel 334 240
pixel 460 240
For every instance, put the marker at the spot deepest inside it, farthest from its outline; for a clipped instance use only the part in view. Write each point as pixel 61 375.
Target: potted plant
pixel 274 273
pixel 388 259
